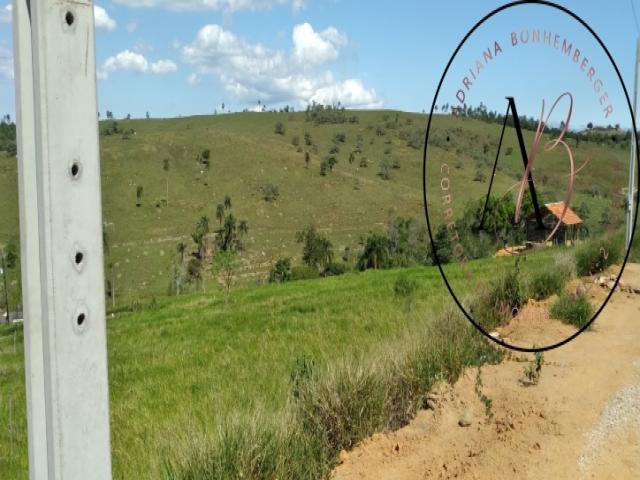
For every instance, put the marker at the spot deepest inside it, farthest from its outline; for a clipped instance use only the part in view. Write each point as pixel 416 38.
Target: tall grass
pixel 335 406
pixel 596 255
pixel 573 309
pixel 544 283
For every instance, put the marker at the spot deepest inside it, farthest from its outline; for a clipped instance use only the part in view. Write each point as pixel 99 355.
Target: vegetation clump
pixel 574 309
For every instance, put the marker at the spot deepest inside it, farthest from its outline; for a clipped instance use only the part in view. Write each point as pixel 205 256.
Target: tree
pixel 194 270
pixel 375 253
pixel 139 191
pixel 181 248
pixel 225 264
pixel 148 115
pixel 220 213
pixel 165 166
pixel 177 276
pixel 317 250
pixel 590 125
pixel 281 271
pixel 200 236
pixel 227 202
pixel 128 116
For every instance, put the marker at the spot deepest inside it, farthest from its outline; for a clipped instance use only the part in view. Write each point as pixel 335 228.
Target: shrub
pixel 574 309
pixel 334 149
pixel 295 141
pixel 496 305
pixel 304 272
pixel 281 271
pixel 385 169
pixel 545 283
pixel 270 192
pixel 279 128
pixel 340 137
pixel 596 255
pixel 479 176
pixel 404 286
pixel 335 269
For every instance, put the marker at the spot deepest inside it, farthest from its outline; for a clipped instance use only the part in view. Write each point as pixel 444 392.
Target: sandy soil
pixel 581 420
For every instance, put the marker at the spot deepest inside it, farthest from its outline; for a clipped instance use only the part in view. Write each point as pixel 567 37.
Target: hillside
pixel 245 154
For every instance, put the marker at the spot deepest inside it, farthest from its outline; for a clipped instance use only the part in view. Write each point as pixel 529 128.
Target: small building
pixel 568 231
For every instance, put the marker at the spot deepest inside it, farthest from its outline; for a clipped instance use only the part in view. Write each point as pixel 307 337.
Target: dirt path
pixel 582 419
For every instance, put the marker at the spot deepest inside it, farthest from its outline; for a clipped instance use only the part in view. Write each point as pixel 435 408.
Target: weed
pixel 487 402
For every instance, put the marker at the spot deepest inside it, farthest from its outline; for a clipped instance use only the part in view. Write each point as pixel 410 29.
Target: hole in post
pixel 80 319
pixel 75 170
pixel 79 257
pixel 69 18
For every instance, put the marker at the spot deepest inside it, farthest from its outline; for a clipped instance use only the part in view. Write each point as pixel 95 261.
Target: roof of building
pixel 570 217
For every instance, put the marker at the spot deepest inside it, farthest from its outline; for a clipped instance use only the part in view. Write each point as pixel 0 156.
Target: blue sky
pixel 183 57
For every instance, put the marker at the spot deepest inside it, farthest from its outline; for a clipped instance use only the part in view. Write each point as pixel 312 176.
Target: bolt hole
pixel 80 319
pixel 79 257
pixel 69 18
pixel 75 170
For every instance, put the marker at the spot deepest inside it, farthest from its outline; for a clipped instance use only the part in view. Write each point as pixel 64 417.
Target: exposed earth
pixel 580 420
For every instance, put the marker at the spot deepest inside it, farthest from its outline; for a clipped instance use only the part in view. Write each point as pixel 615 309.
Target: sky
pixel 186 57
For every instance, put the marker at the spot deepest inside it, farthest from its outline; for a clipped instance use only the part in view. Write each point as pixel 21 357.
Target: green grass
pixel 193 362
pixel 573 309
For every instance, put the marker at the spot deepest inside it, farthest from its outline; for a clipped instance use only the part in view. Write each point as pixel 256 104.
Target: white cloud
pixel 5 14
pixel 162 67
pixel 252 71
pixel 315 48
pixel 225 5
pixel 135 62
pixel 6 62
pixel 102 19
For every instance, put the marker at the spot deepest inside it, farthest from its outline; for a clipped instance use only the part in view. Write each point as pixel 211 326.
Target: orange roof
pixel 570 217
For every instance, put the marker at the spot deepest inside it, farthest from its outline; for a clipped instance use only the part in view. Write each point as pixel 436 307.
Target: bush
pixel 270 192
pixel 404 286
pixel 281 271
pixel 573 309
pixel 279 128
pixel 304 272
pixel 335 269
pixel 340 137
pixel 546 283
pixel 295 141
pixel 496 305
pixel 596 255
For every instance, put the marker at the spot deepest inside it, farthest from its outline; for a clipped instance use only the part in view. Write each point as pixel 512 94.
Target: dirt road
pixel 581 420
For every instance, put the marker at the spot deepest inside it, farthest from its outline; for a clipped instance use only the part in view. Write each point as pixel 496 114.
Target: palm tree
pixel 203 224
pixel 181 248
pixel 165 167
pixel 243 227
pixel 220 213
pixel 375 253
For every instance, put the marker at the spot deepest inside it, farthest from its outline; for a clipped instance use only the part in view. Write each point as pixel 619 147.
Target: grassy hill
pixel 246 154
